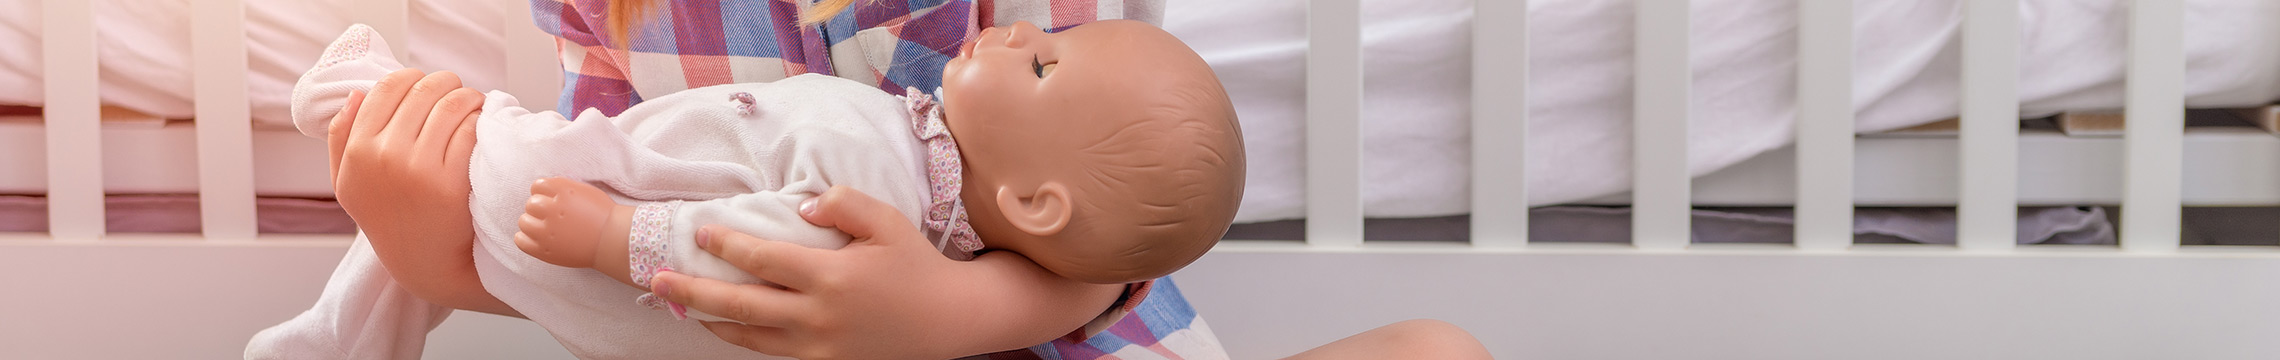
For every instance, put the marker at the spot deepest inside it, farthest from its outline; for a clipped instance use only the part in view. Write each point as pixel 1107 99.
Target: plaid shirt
pixel 687 44
pixel 696 43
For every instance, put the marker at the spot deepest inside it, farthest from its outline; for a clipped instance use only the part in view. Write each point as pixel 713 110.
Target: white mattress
pixel 1417 97
pixel 1418 59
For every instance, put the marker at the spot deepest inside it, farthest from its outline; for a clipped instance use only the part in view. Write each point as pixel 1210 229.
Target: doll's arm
pixel 574 224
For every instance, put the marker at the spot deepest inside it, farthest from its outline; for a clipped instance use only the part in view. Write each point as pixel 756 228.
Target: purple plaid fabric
pixel 684 44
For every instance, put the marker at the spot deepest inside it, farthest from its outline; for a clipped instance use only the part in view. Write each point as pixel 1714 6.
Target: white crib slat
pixel 1824 124
pixel 1987 213
pixel 1660 199
pixel 1334 123
pixel 392 18
pixel 225 130
pixel 534 71
pixel 1500 123
pixel 2154 135
pixel 73 121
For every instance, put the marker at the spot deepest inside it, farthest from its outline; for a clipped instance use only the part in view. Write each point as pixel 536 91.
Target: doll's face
pixel 1020 94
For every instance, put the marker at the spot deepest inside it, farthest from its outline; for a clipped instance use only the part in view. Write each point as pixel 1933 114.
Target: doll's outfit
pixel 739 155
pixel 742 156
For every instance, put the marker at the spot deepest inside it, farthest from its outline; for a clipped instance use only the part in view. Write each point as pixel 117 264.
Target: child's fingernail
pixel 807 207
pixel 704 237
pixel 662 287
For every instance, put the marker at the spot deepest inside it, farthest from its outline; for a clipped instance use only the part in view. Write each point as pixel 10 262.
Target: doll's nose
pixel 1021 33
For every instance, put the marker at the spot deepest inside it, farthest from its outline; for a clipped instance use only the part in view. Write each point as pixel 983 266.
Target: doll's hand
pixel 887 294
pixel 567 220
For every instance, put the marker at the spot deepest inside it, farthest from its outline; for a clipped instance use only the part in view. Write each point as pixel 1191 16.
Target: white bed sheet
pixel 143 47
pixel 1417 58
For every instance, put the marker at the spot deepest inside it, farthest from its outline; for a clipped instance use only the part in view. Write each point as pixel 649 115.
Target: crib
pixel 76 288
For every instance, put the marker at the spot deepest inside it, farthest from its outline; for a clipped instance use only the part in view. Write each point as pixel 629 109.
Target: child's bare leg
pixel 573 224
pixel 1413 339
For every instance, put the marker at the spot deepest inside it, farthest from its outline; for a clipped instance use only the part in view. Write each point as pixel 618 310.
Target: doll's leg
pixel 573 224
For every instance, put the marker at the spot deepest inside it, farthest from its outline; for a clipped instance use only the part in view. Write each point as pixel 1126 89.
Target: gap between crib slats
pixel 1824 125
pixel 2154 135
pixel 72 120
pixel 1987 210
pixel 1660 201
pixel 534 70
pixel 1333 123
pixel 225 131
pixel 1500 123
pixel 392 19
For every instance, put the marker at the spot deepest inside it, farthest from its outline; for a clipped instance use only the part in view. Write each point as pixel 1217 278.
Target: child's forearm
pixel 1038 306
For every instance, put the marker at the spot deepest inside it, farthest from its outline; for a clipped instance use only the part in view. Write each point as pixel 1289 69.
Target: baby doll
pixel 1107 153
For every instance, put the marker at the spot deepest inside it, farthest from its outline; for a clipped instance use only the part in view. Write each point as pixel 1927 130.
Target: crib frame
pixel 1658 297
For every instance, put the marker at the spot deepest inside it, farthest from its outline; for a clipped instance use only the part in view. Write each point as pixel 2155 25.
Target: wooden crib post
pixel 2154 136
pixel 1334 123
pixel 225 128
pixel 1824 125
pixel 1661 203
pixel 1987 211
pixel 73 121
pixel 1500 123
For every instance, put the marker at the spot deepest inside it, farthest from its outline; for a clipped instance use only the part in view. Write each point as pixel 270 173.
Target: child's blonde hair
pixel 624 13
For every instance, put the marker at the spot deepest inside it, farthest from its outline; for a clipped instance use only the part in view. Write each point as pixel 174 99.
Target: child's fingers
pixel 751 304
pixel 857 214
pixel 778 262
pixel 443 122
pixel 765 340
pixel 461 150
pixel 384 98
pixel 411 114
pixel 336 132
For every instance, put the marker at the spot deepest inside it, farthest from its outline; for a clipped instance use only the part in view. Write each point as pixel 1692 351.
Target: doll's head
pixel 1107 153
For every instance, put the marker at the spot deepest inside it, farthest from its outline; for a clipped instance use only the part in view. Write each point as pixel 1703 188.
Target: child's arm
pixel 888 294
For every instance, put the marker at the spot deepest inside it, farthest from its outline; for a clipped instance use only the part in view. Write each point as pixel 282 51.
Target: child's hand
pixel 399 164
pixel 566 221
pixel 887 295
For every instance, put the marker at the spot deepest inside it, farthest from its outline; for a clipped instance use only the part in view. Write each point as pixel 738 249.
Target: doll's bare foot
pixel 570 223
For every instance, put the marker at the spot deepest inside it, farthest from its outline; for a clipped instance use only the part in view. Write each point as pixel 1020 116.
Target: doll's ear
pixel 1041 212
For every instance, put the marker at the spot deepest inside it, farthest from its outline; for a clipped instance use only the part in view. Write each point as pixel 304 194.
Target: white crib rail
pixel 1661 216
pixel 225 123
pixel 1334 123
pixel 1500 124
pixel 1824 125
pixel 74 139
pixel 2154 135
pixel 1987 212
